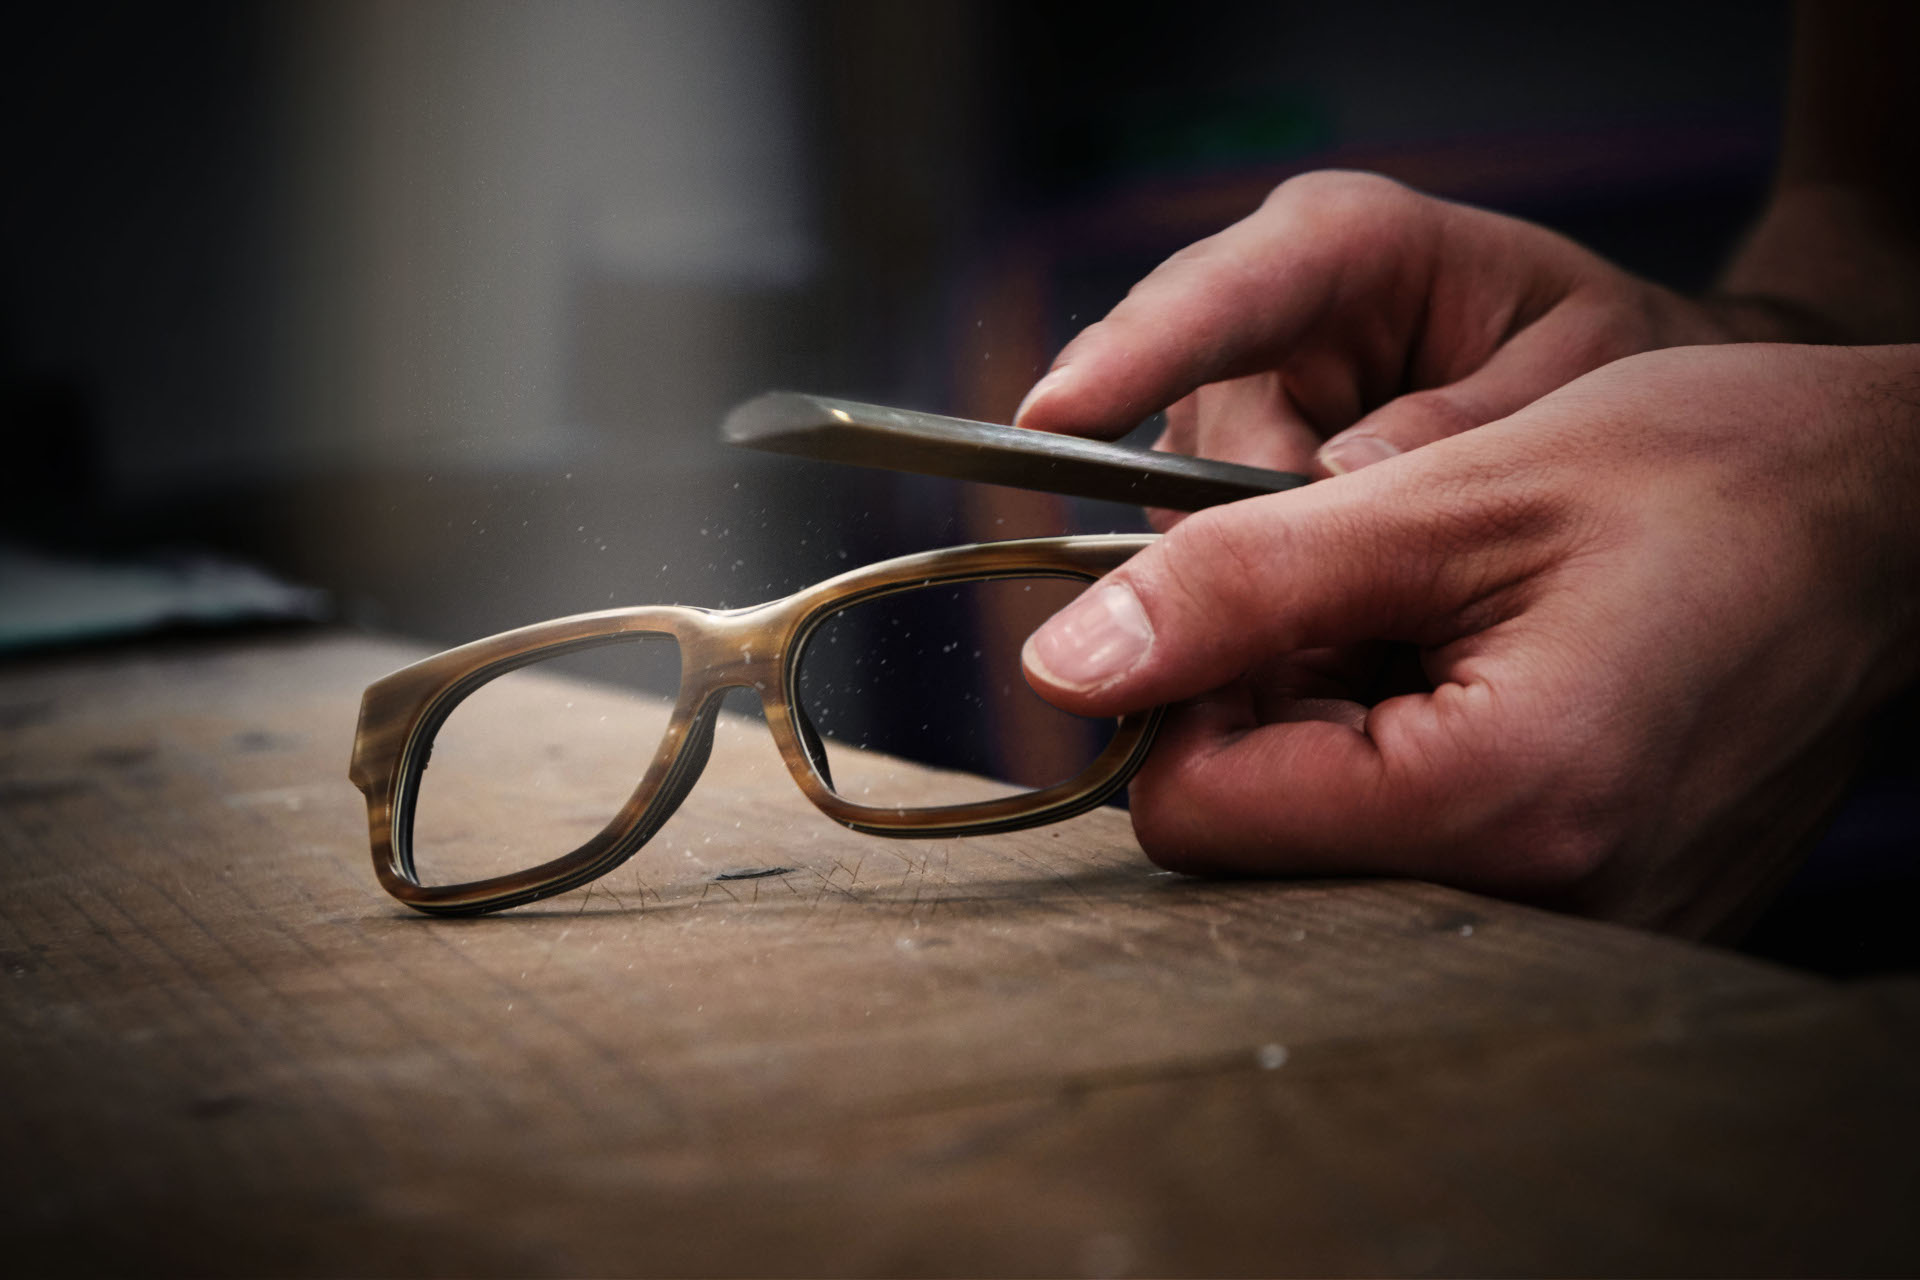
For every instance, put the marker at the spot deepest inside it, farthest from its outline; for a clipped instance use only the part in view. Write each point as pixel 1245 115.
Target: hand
pixel 1352 310
pixel 1649 612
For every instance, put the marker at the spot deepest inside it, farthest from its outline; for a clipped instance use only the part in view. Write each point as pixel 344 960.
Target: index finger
pixel 1235 302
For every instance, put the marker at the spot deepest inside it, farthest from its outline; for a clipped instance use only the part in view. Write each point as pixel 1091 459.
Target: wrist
pixel 1759 317
pixel 1879 389
pixel 1827 263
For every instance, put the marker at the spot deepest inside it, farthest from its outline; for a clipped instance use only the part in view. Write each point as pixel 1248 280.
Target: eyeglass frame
pixel 757 647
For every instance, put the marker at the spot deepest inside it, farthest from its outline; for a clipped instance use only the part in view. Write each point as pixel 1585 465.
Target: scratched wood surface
pixel 223 1050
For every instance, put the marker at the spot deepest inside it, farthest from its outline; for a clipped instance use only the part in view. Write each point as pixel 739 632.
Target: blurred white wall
pixel 461 166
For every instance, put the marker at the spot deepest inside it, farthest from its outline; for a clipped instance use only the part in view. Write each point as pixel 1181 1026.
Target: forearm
pixel 1827 263
pixel 1836 257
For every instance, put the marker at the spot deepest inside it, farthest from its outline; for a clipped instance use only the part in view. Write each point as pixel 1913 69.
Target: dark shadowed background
pixel 437 305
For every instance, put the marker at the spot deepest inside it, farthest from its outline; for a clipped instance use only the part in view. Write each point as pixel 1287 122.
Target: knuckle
pixel 1528 847
pixel 1164 821
pixel 1162 839
pixel 1212 561
pixel 1340 189
pixel 1553 850
pixel 1432 414
pixel 1559 831
pixel 1346 204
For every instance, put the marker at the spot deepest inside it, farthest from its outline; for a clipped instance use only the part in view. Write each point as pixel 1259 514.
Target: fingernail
pixel 1100 637
pixel 1041 389
pixel 1350 453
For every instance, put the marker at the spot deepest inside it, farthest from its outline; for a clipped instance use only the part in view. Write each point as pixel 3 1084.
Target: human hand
pixel 1353 311
pixel 1650 612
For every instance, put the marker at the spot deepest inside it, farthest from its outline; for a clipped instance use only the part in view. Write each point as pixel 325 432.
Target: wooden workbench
pixel 223 1049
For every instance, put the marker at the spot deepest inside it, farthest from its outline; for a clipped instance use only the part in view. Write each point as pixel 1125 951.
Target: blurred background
pixel 437 305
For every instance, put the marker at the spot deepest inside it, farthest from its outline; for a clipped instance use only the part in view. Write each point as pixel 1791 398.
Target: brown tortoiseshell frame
pixel 756 648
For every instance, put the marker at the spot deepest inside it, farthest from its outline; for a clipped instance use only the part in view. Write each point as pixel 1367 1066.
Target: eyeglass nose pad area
pixel 816 749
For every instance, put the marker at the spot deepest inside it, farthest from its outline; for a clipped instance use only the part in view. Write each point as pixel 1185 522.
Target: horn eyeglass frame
pixel 757 648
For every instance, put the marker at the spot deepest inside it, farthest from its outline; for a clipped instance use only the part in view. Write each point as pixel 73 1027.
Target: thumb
pixel 1363 557
pixel 1452 783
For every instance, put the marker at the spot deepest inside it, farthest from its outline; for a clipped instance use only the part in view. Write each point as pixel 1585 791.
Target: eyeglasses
pixel 861 650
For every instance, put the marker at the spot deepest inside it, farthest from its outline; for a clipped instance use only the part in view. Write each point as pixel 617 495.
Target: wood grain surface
pixel 224 1050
